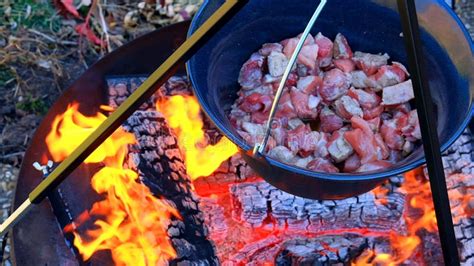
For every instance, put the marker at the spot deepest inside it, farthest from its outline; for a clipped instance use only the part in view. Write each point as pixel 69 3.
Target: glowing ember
pixel 418 191
pixel 183 115
pixel 129 222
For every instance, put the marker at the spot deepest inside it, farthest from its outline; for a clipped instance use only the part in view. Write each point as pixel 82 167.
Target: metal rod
pixel 260 148
pixel 149 86
pixel 424 104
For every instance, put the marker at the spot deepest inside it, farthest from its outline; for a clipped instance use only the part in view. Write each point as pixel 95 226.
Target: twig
pixel 104 25
pixel 51 39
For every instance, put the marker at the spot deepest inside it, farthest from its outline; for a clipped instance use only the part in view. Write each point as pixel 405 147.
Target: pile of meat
pixel 341 111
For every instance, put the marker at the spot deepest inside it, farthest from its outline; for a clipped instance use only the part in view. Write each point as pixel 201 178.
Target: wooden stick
pixel 154 81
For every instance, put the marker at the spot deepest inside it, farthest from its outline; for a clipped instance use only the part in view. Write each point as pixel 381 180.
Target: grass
pixel 6 75
pixel 37 106
pixel 42 14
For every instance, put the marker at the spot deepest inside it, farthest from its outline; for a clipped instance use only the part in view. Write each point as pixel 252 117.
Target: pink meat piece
pixel 285 107
pixel 360 80
pixel 325 51
pixel 330 122
pixel 282 154
pixel 387 76
pixel 338 147
pixel 322 165
pixel 277 63
pixel 302 140
pixel 373 113
pixel 398 94
pixel 391 135
pixel 308 56
pixel 264 90
pixel 412 130
pixel 374 124
pixel 268 48
pixel 383 152
pixel 335 84
pixel 259 117
pixel 366 99
pixel 347 107
pixel 346 65
pixel 256 102
pixel 309 39
pixel 309 84
pixel 352 163
pixel 342 48
pixel 401 67
pixel 290 82
pixel 321 147
pixel 301 102
pixel 251 73
pixel 363 144
pixel 279 134
pixel 289 46
pixel 373 166
pixel 369 63
pixel 363 125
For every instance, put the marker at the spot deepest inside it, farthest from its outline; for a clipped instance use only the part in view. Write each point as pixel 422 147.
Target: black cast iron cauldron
pixel 371 26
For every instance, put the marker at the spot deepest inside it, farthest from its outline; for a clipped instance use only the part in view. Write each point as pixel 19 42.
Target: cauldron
pixel 370 26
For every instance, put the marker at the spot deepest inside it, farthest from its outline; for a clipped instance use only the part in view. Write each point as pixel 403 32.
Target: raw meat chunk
pixel 342 48
pixel 369 63
pixel 352 163
pixel 363 144
pixel 251 72
pixel 347 107
pixel 325 51
pixel 366 99
pixel 277 63
pixel 304 103
pixel 309 84
pixel 346 65
pixel 322 165
pixel 335 84
pixel 282 154
pixel 398 94
pixel 330 122
pixel 339 148
pixel 387 76
pixel 372 166
pixel 268 48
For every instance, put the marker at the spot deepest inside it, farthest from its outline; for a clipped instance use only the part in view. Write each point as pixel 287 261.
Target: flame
pixel 418 191
pixel 129 222
pixel 183 116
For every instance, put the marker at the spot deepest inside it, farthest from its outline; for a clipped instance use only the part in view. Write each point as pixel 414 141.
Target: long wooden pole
pixel 133 102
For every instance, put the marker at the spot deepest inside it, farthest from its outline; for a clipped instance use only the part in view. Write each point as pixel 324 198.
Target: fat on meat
pixel 398 94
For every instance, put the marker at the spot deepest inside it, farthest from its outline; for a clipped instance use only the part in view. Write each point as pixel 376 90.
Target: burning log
pixel 158 161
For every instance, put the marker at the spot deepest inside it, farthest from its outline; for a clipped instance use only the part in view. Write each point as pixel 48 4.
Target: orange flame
pixel 183 116
pixel 418 191
pixel 129 222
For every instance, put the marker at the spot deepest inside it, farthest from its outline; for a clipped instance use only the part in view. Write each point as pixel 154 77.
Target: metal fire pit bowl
pixel 38 238
pixel 370 26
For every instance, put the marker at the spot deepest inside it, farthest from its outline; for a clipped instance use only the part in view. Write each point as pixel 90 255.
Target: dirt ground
pixel 41 53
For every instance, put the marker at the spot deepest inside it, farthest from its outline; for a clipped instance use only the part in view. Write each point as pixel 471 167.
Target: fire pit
pixel 231 216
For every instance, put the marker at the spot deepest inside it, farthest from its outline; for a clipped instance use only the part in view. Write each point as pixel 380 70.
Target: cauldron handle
pixel 260 147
